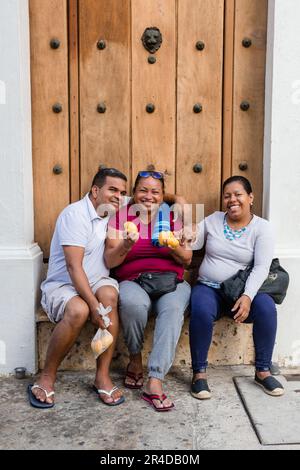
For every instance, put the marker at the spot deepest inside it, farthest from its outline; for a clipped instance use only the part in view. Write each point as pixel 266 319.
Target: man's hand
pixel 179 200
pixel 242 308
pixel 97 320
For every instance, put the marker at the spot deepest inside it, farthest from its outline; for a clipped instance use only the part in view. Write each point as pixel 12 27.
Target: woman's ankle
pixel 262 374
pixel 136 362
pixel 154 385
pixel 199 374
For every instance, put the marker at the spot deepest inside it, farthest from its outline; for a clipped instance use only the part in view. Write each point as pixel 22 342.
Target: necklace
pixel 232 234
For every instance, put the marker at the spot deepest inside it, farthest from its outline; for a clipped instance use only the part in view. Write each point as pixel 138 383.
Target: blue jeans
pixel 135 306
pixel 208 306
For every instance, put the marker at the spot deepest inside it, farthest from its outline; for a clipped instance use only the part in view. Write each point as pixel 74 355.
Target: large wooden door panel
pixel 118 76
pixel 199 78
pixel 249 86
pixel 153 134
pixel 104 78
pixel 50 130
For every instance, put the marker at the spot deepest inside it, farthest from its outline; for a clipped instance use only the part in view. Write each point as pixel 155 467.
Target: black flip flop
pixel 37 403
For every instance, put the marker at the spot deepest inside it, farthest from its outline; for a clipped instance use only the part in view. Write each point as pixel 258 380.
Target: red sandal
pixel 135 377
pixel 150 397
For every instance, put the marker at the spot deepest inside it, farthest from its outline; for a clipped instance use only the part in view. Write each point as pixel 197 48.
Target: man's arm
pixel 74 257
pixel 171 199
pixel 182 211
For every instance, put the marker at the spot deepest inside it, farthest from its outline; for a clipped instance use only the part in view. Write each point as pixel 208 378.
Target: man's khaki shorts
pixel 54 303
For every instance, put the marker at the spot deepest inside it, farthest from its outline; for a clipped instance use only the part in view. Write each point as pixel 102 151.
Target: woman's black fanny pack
pixel 157 284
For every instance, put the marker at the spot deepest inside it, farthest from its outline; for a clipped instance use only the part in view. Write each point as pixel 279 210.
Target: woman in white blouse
pixel 233 240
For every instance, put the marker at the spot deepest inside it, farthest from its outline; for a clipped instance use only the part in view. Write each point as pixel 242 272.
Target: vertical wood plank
pixel 104 78
pixel 199 136
pixel 153 135
pixel 50 132
pixel 228 88
pixel 249 85
pixel 74 100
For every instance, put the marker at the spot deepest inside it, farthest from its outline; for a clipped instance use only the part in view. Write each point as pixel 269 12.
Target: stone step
pixel 232 344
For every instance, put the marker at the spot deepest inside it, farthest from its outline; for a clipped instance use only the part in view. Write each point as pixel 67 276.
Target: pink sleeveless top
pixel 143 256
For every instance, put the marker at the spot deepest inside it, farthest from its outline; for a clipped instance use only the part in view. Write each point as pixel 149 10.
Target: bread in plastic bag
pixel 101 341
pixel 103 338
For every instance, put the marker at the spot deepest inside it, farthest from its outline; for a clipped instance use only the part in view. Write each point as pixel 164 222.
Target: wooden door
pixel 104 77
pixel 50 115
pixel 249 88
pixel 200 81
pixel 194 84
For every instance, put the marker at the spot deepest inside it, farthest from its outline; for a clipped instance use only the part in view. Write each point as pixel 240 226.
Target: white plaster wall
pixel 20 257
pixel 282 163
pixel 15 126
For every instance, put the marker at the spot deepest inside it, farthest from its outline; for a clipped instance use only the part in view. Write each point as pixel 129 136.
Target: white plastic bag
pixel 103 338
pixel 101 341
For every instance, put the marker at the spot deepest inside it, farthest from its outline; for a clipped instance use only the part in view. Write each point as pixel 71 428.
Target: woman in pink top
pixel 132 254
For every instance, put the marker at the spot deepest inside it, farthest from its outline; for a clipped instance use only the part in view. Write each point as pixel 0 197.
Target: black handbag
pixel 277 282
pixel 157 284
pixel 275 285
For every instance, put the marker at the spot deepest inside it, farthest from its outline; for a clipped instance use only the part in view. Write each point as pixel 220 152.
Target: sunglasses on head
pixel 155 174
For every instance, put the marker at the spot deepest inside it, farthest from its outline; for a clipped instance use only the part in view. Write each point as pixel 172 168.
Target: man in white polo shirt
pixel 77 281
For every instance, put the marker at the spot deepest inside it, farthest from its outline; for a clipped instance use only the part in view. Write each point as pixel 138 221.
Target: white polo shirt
pixel 77 225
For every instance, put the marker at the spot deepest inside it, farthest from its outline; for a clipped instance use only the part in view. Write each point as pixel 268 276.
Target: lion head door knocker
pixel 152 39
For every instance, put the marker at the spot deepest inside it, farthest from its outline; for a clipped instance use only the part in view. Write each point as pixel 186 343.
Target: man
pixel 77 281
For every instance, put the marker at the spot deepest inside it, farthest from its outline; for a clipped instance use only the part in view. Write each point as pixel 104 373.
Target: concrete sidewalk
pixel 80 421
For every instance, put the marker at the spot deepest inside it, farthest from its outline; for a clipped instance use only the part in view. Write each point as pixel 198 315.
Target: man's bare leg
pixel 63 337
pixel 108 295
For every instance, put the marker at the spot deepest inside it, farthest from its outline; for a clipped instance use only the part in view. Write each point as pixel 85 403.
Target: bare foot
pixel 134 373
pixel 154 387
pixel 47 382
pixel 106 384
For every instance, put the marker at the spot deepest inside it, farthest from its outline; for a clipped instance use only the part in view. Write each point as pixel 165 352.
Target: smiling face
pixel 149 191
pixel 237 201
pixel 112 192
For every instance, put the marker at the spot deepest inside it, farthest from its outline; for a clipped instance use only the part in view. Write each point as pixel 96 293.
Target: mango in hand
pixel 168 239
pixel 130 227
pixel 173 242
pixel 162 238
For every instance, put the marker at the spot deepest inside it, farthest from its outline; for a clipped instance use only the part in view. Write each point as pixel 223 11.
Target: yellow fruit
pixel 173 242
pixel 162 237
pixel 130 227
pixel 169 239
